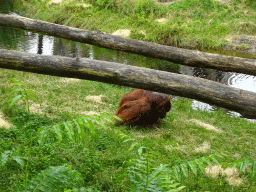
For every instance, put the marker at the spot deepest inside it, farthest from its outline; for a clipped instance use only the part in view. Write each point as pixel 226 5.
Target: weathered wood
pixel 204 90
pixel 177 55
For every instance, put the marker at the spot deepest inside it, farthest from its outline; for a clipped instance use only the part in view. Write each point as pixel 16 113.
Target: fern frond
pixel 193 165
pixel 77 126
pixel 70 130
pixel 88 122
pixel 98 120
pixel 6 155
pixel 244 166
pixel 55 179
pixel 168 184
pixel 58 132
pixel 42 133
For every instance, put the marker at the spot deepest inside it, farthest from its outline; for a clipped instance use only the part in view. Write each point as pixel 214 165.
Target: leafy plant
pixel 55 178
pixel 8 155
pixel 76 129
pixel 146 177
pixel 22 93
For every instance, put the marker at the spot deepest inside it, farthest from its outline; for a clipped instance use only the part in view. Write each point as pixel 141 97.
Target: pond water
pixel 46 45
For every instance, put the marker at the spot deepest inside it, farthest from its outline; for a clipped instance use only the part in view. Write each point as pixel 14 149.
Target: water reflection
pixel 236 80
pixel 47 45
pixel 35 43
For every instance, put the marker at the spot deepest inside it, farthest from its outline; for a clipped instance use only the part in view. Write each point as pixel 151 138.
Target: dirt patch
pixel 183 148
pixel 85 5
pixel 224 1
pixel 242 43
pixel 204 148
pixel 122 32
pixel 165 2
pixel 206 126
pixel 90 113
pixel 35 108
pixel 162 20
pixel 157 133
pixel 69 80
pixel 168 2
pixel 3 123
pixel 55 1
pixel 93 98
pixel 231 174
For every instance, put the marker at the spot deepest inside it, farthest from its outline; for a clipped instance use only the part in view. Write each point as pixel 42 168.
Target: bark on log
pixel 204 90
pixel 173 54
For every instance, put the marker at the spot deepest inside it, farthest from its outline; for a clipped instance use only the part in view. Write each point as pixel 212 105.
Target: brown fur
pixel 142 107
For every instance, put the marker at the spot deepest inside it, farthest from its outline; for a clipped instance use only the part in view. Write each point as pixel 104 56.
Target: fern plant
pixel 76 129
pixel 193 165
pixel 146 177
pixel 8 155
pixel 55 178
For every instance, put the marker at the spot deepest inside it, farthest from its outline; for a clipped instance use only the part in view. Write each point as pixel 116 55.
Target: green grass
pixel 197 24
pixel 103 159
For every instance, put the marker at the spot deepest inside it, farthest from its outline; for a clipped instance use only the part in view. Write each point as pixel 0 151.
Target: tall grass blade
pixel 126 140
pixel 253 168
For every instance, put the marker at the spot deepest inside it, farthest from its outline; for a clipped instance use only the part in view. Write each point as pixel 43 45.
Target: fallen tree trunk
pixel 173 54
pixel 204 90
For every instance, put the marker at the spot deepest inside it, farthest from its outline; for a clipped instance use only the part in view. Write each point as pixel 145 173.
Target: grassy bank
pixel 196 24
pixel 117 157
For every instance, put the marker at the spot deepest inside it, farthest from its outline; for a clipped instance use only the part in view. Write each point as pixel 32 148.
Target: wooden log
pixel 173 54
pixel 204 90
